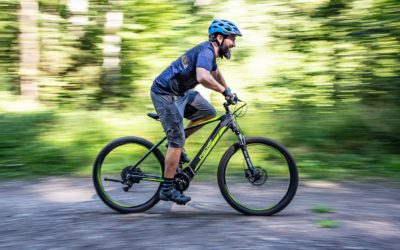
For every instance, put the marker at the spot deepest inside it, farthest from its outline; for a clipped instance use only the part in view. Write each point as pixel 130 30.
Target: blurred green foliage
pixel 321 77
pixel 8 46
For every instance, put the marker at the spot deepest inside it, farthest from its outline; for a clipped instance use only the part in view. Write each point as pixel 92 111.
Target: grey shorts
pixel 172 109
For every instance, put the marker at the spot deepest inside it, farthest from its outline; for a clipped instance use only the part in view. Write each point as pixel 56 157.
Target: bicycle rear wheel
pixel 122 183
pixel 274 185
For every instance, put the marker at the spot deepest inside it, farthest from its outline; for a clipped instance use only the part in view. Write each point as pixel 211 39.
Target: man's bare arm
pixel 205 78
pixel 218 76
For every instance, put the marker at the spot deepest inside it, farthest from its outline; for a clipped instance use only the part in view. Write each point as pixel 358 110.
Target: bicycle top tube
pixel 219 118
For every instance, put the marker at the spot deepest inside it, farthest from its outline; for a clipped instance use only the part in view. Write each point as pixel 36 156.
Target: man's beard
pixel 226 52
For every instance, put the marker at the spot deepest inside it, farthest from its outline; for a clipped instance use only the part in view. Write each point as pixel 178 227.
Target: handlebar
pixel 226 106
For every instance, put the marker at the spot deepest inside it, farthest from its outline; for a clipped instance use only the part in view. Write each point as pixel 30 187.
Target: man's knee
pixel 210 115
pixel 213 113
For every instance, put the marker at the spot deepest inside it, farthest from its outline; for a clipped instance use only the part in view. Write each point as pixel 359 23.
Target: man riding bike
pixel 174 98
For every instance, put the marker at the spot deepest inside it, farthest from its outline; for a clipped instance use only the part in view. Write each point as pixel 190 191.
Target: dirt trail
pixel 65 213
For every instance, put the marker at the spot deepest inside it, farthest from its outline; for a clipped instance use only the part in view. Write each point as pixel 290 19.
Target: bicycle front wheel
pixel 268 191
pixel 124 178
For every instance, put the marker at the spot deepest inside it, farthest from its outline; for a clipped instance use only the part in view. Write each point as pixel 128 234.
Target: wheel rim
pixel 114 166
pixel 264 193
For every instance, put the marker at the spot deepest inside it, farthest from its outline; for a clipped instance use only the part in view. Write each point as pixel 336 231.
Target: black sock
pixel 168 184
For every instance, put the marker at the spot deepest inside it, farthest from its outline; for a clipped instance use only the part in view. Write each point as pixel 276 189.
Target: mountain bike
pixel 256 175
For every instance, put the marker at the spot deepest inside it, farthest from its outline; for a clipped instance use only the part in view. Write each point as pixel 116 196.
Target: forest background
pixel 322 77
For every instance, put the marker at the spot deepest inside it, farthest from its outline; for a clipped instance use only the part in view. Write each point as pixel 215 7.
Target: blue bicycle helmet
pixel 224 27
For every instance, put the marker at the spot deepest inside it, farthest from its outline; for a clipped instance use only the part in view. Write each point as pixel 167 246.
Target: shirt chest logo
pixel 185 61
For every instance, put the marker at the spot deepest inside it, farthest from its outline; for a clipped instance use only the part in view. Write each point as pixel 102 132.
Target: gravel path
pixel 65 213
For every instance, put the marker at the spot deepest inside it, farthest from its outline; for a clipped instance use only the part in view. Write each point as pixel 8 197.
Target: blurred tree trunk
pixel 29 48
pixel 112 50
pixel 79 17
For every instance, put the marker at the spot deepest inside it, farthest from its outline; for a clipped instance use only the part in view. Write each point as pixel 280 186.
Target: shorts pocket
pixel 170 117
pixel 173 125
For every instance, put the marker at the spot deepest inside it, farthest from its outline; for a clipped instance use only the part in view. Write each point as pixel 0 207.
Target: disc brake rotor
pixel 259 178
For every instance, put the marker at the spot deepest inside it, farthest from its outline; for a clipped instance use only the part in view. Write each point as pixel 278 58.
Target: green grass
pixel 55 142
pixel 322 209
pixel 328 223
pixel 324 222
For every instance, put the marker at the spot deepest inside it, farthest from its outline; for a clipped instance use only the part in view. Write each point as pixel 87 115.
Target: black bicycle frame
pixel 225 121
pixel 205 150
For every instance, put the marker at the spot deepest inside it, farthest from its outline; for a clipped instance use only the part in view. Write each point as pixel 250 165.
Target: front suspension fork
pixel 243 147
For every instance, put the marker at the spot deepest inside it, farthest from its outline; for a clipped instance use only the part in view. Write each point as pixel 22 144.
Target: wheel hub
pixel 259 178
pixel 130 177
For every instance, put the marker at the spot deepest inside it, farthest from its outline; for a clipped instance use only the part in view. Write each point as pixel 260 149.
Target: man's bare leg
pixel 168 191
pixel 172 158
pixel 171 161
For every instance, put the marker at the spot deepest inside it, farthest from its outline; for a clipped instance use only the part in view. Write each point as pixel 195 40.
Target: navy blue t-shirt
pixel 180 76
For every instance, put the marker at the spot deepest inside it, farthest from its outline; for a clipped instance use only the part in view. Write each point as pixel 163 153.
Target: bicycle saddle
pixel 154 116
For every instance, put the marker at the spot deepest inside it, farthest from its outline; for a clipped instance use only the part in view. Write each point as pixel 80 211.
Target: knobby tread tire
pixel 292 184
pixel 97 167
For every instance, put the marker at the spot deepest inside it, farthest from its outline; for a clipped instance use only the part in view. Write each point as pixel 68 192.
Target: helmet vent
pixel 224 27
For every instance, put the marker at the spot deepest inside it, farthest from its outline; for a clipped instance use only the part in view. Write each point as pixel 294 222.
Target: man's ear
pixel 220 38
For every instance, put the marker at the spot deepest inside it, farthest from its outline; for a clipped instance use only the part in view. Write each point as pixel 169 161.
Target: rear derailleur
pixel 130 176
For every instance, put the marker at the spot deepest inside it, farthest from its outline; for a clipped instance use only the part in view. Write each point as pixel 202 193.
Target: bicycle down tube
pixel 225 122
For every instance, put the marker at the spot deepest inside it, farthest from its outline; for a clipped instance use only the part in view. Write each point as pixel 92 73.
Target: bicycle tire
pixel 232 199
pixel 99 164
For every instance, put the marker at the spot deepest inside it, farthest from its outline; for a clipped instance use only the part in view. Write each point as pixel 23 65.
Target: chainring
pixel 181 181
